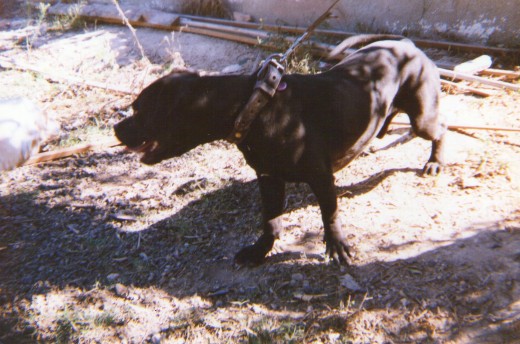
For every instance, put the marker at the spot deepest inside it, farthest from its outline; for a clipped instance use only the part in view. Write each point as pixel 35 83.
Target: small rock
pixel 469 183
pixel 350 283
pixel 257 309
pixel 156 338
pixel 121 290
pixel 112 277
pixel 405 302
pixel 297 277
pixel 272 269
pixel 334 337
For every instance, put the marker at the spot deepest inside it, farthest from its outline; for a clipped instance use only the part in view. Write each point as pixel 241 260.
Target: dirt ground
pixel 98 248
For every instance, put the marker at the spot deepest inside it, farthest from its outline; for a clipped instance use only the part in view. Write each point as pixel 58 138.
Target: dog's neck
pixel 223 99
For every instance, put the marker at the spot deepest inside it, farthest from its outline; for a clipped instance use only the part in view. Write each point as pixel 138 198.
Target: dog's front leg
pixel 272 191
pixel 335 238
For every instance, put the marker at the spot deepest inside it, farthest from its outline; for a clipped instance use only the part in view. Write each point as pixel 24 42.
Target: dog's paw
pixel 432 168
pixel 252 255
pixel 338 250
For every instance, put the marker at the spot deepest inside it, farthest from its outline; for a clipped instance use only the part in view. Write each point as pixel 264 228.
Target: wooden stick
pixel 469 127
pixel 223 28
pixel 466 88
pixel 222 35
pixel 136 16
pixel 509 74
pixel 132 30
pixel 66 152
pixel 461 76
pixel 248 36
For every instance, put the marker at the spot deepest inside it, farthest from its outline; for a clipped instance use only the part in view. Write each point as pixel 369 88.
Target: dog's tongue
pixel 142 148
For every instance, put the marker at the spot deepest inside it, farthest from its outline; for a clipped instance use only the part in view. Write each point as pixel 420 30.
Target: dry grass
pixel 207 8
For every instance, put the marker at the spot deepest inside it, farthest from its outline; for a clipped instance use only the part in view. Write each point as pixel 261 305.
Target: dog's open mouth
pixel 149 150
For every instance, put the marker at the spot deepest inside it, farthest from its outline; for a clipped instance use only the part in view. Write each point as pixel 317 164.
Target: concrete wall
pixel 493 22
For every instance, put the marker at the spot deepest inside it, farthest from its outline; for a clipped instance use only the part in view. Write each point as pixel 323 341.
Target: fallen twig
pixel 66 152
pixel 137 42
pixel 132 30
pixel 469 127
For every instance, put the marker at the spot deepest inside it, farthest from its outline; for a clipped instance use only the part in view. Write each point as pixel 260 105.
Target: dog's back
pixel 400 77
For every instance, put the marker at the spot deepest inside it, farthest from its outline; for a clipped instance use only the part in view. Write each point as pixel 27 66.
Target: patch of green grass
pixel 268 331
pixel 302 65
pixel 210 8
pixel 66 326
pixel 70 21
pixel 86 134
pixel 105 319
pixel 300 61
pixel 71 324
pixel 64 330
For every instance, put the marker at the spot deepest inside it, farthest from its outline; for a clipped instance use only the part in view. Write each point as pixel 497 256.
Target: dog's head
pixel 167 120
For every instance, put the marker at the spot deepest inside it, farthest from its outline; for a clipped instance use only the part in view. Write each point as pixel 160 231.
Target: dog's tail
pixel 363 39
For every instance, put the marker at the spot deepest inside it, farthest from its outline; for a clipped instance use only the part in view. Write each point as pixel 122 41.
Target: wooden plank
pixel 461 76
pixel 474 66
pixel 110 15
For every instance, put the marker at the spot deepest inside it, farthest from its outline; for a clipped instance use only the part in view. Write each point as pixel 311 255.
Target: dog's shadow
pixel 243 198
pixel 230 217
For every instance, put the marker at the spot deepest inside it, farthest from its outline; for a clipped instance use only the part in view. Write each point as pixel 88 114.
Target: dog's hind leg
pixel 272 191
pixel 433 128
pixel 436 162
pixel 384 129
pixel 428 123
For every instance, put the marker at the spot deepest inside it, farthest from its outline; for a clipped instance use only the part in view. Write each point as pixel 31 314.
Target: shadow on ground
pixel 44 246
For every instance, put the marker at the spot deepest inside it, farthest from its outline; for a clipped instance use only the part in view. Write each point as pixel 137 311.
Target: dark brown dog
pixel 308 131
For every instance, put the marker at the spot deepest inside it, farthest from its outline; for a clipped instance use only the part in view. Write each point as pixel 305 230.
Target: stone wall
pixel 477 21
